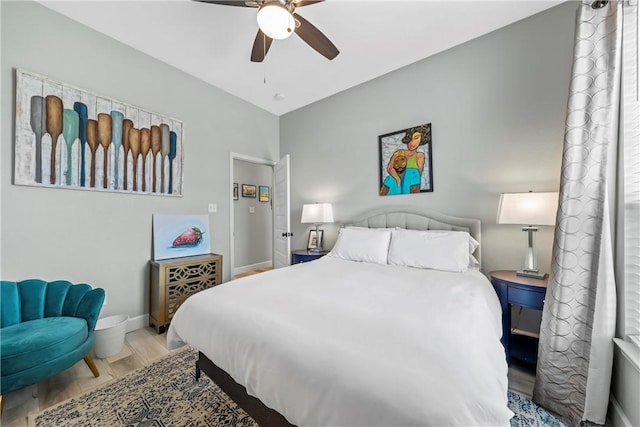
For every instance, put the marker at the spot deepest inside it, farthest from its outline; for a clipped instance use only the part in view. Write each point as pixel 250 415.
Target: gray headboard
pixel 412 219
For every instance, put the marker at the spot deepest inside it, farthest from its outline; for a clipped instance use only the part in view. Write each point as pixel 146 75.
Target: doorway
pixel 251 214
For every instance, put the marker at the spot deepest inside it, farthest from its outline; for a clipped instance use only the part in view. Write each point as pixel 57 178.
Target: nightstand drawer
pixel 303 255
pixel 526 297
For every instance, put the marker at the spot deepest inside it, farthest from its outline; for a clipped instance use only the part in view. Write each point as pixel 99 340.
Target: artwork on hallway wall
pixel 177 236
pixel 67 137
pixel 248 190
pixel 406 161
pixel 263 193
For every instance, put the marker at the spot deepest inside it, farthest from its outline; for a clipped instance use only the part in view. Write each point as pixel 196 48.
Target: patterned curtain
pixel 578 321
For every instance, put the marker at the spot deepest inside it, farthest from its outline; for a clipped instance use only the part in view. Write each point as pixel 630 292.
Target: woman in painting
pixel 410 181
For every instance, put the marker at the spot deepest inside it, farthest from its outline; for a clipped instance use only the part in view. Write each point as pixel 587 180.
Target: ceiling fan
pixel 277 20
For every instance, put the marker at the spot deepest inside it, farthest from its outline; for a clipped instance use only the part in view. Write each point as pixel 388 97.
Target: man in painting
pixel 390 186
pixel 410 181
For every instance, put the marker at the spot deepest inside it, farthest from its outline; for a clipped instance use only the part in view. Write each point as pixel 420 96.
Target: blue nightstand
pixel 303 255
pixel 523 292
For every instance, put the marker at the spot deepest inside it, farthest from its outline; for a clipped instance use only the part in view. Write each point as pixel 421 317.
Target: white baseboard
pixel 616 416
pixel 138 322
pixel 246 268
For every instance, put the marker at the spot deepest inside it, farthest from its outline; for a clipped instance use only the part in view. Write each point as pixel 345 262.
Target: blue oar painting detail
pixel 55 147
pixel 70 132
pixel 81 109
pixel 173 141
pixel 39 128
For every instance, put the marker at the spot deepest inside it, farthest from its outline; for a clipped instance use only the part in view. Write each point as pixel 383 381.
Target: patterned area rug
pixel 528 414
pixel 166 393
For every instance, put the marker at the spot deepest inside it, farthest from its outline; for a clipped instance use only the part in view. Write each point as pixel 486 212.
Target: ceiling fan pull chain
pixel 264 52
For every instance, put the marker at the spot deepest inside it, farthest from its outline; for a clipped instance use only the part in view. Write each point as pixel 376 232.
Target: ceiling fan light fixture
pixel 276 21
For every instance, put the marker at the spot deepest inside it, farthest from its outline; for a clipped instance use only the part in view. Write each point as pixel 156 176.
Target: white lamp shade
pixel 276 21
pixel 317 213
pixel 528 208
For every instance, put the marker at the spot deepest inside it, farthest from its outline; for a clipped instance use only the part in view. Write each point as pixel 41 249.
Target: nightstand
pixel 303 255
pixel 523 292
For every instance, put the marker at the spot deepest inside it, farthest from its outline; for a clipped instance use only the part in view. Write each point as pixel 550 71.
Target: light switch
pixel 252 209
pixel 213 207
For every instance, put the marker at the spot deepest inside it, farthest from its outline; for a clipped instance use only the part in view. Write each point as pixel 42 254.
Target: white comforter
pixel 341 343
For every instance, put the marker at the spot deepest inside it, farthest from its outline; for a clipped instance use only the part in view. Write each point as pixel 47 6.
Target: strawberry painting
pixel 190 237
pixel 180 235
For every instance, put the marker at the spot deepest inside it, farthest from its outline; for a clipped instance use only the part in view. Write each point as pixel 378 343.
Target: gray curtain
pixel 578 321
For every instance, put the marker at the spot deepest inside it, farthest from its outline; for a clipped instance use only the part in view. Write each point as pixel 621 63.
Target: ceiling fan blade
pixel 261 46
pixel 240 3
pixel 300 3
pixel 314 38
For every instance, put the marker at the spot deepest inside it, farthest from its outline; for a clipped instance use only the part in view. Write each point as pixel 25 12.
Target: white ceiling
pixel 213 42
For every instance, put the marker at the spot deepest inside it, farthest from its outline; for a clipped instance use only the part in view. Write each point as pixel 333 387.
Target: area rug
pixel 528 414
pixel 166 393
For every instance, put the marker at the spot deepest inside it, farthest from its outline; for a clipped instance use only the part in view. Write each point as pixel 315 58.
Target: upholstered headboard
pixel 421 220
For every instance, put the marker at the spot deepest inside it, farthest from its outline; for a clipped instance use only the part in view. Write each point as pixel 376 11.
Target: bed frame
pixel 261 413
pixel 407 218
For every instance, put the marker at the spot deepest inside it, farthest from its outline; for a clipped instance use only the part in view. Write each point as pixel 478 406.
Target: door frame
pixel 251 159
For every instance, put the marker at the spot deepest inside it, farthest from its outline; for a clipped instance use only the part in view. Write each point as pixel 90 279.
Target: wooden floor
pixel 250 273
pixel 522 378
pixel 141 348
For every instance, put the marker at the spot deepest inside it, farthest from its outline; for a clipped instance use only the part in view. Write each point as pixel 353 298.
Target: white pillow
pixel 362 244
pixel 358 227
pixel 439 250
pixel 473 245
pixel 474 263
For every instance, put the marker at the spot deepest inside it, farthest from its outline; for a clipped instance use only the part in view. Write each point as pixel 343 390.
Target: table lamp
pixel 528 209
pixel 317 213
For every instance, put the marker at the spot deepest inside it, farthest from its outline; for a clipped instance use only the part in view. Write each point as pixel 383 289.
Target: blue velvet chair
pixel 46 327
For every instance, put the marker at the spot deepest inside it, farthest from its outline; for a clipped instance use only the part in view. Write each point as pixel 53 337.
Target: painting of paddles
pixel 67 137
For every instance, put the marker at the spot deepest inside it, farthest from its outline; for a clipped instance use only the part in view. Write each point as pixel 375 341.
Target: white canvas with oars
pixel 69 138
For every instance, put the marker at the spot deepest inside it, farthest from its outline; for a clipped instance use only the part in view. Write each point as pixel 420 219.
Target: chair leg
pixel 92 365
pixel 1 403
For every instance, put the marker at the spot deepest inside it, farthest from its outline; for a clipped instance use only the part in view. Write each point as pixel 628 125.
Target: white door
pixel 281 217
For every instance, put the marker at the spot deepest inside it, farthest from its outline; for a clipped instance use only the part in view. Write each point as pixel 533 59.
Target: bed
pixel 395 327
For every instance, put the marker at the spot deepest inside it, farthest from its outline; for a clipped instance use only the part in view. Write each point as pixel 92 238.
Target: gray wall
pixel 497 106
pixel 625 387
pixel 105 238
pixel 253 240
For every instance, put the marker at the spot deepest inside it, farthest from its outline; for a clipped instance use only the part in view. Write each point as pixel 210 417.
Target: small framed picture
pixel 263 193
pixel 313 242
pixel 235 191
pixel 248 190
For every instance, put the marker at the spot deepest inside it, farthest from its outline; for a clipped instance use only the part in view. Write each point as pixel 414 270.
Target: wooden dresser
pixel 176 279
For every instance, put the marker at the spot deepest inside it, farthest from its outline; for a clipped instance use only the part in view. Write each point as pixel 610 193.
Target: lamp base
pixel 534 274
